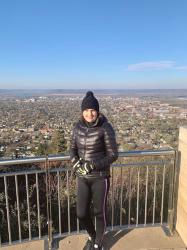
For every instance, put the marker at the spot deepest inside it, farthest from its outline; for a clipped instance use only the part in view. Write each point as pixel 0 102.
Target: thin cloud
pixel 181 67
pixel 155 65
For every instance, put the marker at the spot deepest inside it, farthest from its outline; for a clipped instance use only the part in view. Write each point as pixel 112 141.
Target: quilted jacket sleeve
pixel 73 147
pixel 110 148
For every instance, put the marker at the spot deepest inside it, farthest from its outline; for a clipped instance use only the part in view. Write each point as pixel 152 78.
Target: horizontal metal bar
pixel 61 169
pixel 67 157
pixel 147 153
pixel 32 171
pixel 34 160
pixel 139 164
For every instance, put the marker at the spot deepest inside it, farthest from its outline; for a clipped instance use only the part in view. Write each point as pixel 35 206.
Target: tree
pixel 42 149
pixel 58 143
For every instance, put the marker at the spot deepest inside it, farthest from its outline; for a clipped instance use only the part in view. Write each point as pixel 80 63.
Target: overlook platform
pixel 153 238
pixel 146 209
pixel 135 239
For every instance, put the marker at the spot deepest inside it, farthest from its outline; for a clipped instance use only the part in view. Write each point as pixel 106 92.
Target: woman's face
pixel 90 115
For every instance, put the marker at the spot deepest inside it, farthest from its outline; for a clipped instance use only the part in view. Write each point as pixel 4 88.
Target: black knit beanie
pixel 90 102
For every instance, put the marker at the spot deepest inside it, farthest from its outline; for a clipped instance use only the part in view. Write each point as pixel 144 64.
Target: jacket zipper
pixel 85 142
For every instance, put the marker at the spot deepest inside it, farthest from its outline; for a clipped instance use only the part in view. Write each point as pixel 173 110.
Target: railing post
pixel 172 189
pixel 176 186
pixel 48 196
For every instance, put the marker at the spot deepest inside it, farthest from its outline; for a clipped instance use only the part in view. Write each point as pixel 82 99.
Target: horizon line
pixel 93 89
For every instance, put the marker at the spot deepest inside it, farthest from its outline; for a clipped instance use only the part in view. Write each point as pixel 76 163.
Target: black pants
pixel 96 190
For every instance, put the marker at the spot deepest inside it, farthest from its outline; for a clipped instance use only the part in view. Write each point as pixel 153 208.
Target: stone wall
pixel 181 220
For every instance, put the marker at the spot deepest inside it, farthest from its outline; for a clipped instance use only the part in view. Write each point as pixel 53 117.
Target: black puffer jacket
pixel 96 143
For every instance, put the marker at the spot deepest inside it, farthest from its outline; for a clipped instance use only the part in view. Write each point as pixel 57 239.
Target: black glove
pixel 74 160
pixel 76 164
pixel 83 167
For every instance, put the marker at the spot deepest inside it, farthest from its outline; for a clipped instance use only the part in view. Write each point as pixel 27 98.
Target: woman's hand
pixel 83 167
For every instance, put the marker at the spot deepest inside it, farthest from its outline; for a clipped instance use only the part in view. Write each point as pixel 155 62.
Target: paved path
pixel 135 239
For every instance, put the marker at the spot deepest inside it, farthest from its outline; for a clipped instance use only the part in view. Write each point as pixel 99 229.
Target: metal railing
pixel 39 203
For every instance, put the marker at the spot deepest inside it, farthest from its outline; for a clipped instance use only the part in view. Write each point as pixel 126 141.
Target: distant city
pixel 36 92
pixel 39 122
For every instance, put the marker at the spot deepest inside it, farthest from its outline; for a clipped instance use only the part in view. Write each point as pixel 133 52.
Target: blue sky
pixel 93 44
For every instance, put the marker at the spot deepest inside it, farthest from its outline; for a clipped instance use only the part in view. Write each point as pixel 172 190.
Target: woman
pixel 93 149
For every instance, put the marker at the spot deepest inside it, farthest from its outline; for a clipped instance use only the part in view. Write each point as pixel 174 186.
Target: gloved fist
pixel 83 167
pixel 77 164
